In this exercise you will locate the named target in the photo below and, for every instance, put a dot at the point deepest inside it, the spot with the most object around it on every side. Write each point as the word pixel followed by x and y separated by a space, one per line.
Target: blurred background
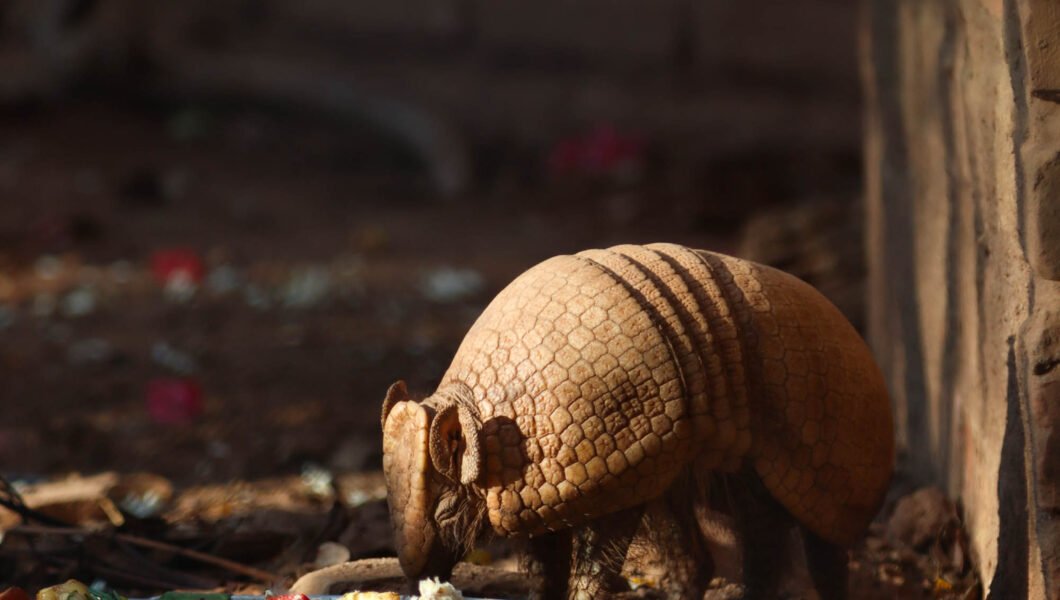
pixel 227 226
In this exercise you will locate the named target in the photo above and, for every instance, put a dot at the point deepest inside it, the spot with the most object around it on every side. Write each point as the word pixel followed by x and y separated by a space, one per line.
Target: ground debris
pixel 919 550
pixel 253 536
pixel 291 369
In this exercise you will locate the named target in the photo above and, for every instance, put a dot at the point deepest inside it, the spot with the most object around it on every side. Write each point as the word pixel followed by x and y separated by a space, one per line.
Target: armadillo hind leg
pixel 716 520
pixel 828 566
pixel 764 529
pixel 599 550
pixel 548 561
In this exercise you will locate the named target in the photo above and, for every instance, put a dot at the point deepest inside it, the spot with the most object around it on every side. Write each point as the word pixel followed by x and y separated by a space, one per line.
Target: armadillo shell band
pixel 598 377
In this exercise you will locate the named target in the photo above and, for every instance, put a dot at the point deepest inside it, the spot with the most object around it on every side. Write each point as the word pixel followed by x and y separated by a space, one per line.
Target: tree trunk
pixel 963 210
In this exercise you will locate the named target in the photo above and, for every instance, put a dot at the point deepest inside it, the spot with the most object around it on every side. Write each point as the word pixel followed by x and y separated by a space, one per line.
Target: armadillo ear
pixel 454 444
pixel 396 393
pixel 471 462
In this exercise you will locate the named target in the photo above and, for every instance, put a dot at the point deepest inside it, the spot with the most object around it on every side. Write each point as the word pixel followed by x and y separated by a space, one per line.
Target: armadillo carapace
pixel 591 381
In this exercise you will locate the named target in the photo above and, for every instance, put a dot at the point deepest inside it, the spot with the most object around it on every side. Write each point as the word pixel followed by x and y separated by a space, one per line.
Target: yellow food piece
pixel 370 596
pixel 71 590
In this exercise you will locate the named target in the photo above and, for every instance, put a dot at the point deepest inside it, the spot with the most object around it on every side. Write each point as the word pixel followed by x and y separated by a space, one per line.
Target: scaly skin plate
pixel 599 376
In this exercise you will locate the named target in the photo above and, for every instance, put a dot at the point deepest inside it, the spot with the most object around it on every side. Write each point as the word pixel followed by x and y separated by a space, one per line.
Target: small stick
pixel 11 500
pixel 228 565
pixel 145 565
pixel 358 571
pixel 224 563
pixel 130 577
pixel 466 577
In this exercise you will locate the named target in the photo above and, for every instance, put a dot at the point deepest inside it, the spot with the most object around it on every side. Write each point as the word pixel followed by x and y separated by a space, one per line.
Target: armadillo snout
pixel 438 563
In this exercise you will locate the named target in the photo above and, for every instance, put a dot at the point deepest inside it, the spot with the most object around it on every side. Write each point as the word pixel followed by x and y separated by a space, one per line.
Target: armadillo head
pixel 431 457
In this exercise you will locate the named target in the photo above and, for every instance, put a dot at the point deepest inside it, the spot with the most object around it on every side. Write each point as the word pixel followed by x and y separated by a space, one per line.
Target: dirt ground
pixel 331 270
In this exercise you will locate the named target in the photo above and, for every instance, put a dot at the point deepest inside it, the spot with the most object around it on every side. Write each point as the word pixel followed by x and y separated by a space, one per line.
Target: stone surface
pixel 962 243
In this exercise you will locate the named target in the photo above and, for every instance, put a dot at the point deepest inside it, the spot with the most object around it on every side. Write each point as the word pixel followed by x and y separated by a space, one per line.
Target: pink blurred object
pixel 177 263
pixel 174 401
pixel 602 151
pixel 288 597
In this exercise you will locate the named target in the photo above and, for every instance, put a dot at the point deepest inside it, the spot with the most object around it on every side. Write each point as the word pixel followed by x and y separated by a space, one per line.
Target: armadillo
pixel 594 382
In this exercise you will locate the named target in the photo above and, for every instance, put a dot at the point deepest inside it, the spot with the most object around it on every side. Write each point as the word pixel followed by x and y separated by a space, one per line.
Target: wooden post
pixel 963 216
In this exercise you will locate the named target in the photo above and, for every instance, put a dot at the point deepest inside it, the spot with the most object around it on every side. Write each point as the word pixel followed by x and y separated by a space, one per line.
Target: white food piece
pixel 432 589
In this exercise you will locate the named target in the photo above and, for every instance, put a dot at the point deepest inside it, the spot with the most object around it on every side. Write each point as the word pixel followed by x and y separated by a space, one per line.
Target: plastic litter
pixel 318 480
pixel 306 288
pixel 142 495
pixel 175 360
pixel 80 302
pixel 7 319
pixel 450 285
pixel 224 279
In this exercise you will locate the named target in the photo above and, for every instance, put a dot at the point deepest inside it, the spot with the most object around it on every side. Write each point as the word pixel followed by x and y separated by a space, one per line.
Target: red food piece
pixel 173 263
pixel 14 593
pixel 174 401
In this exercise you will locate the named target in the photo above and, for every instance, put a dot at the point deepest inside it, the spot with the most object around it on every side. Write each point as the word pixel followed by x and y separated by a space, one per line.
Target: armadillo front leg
pixel 548 563
pixel 672 525
pixel 599 549
pixel 688 565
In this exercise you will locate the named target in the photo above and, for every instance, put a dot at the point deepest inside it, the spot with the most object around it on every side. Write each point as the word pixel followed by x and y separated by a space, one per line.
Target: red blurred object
pixel 288 597
pixel 602 151
pixel 174 401
pixel 173 263
pixel 14 593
